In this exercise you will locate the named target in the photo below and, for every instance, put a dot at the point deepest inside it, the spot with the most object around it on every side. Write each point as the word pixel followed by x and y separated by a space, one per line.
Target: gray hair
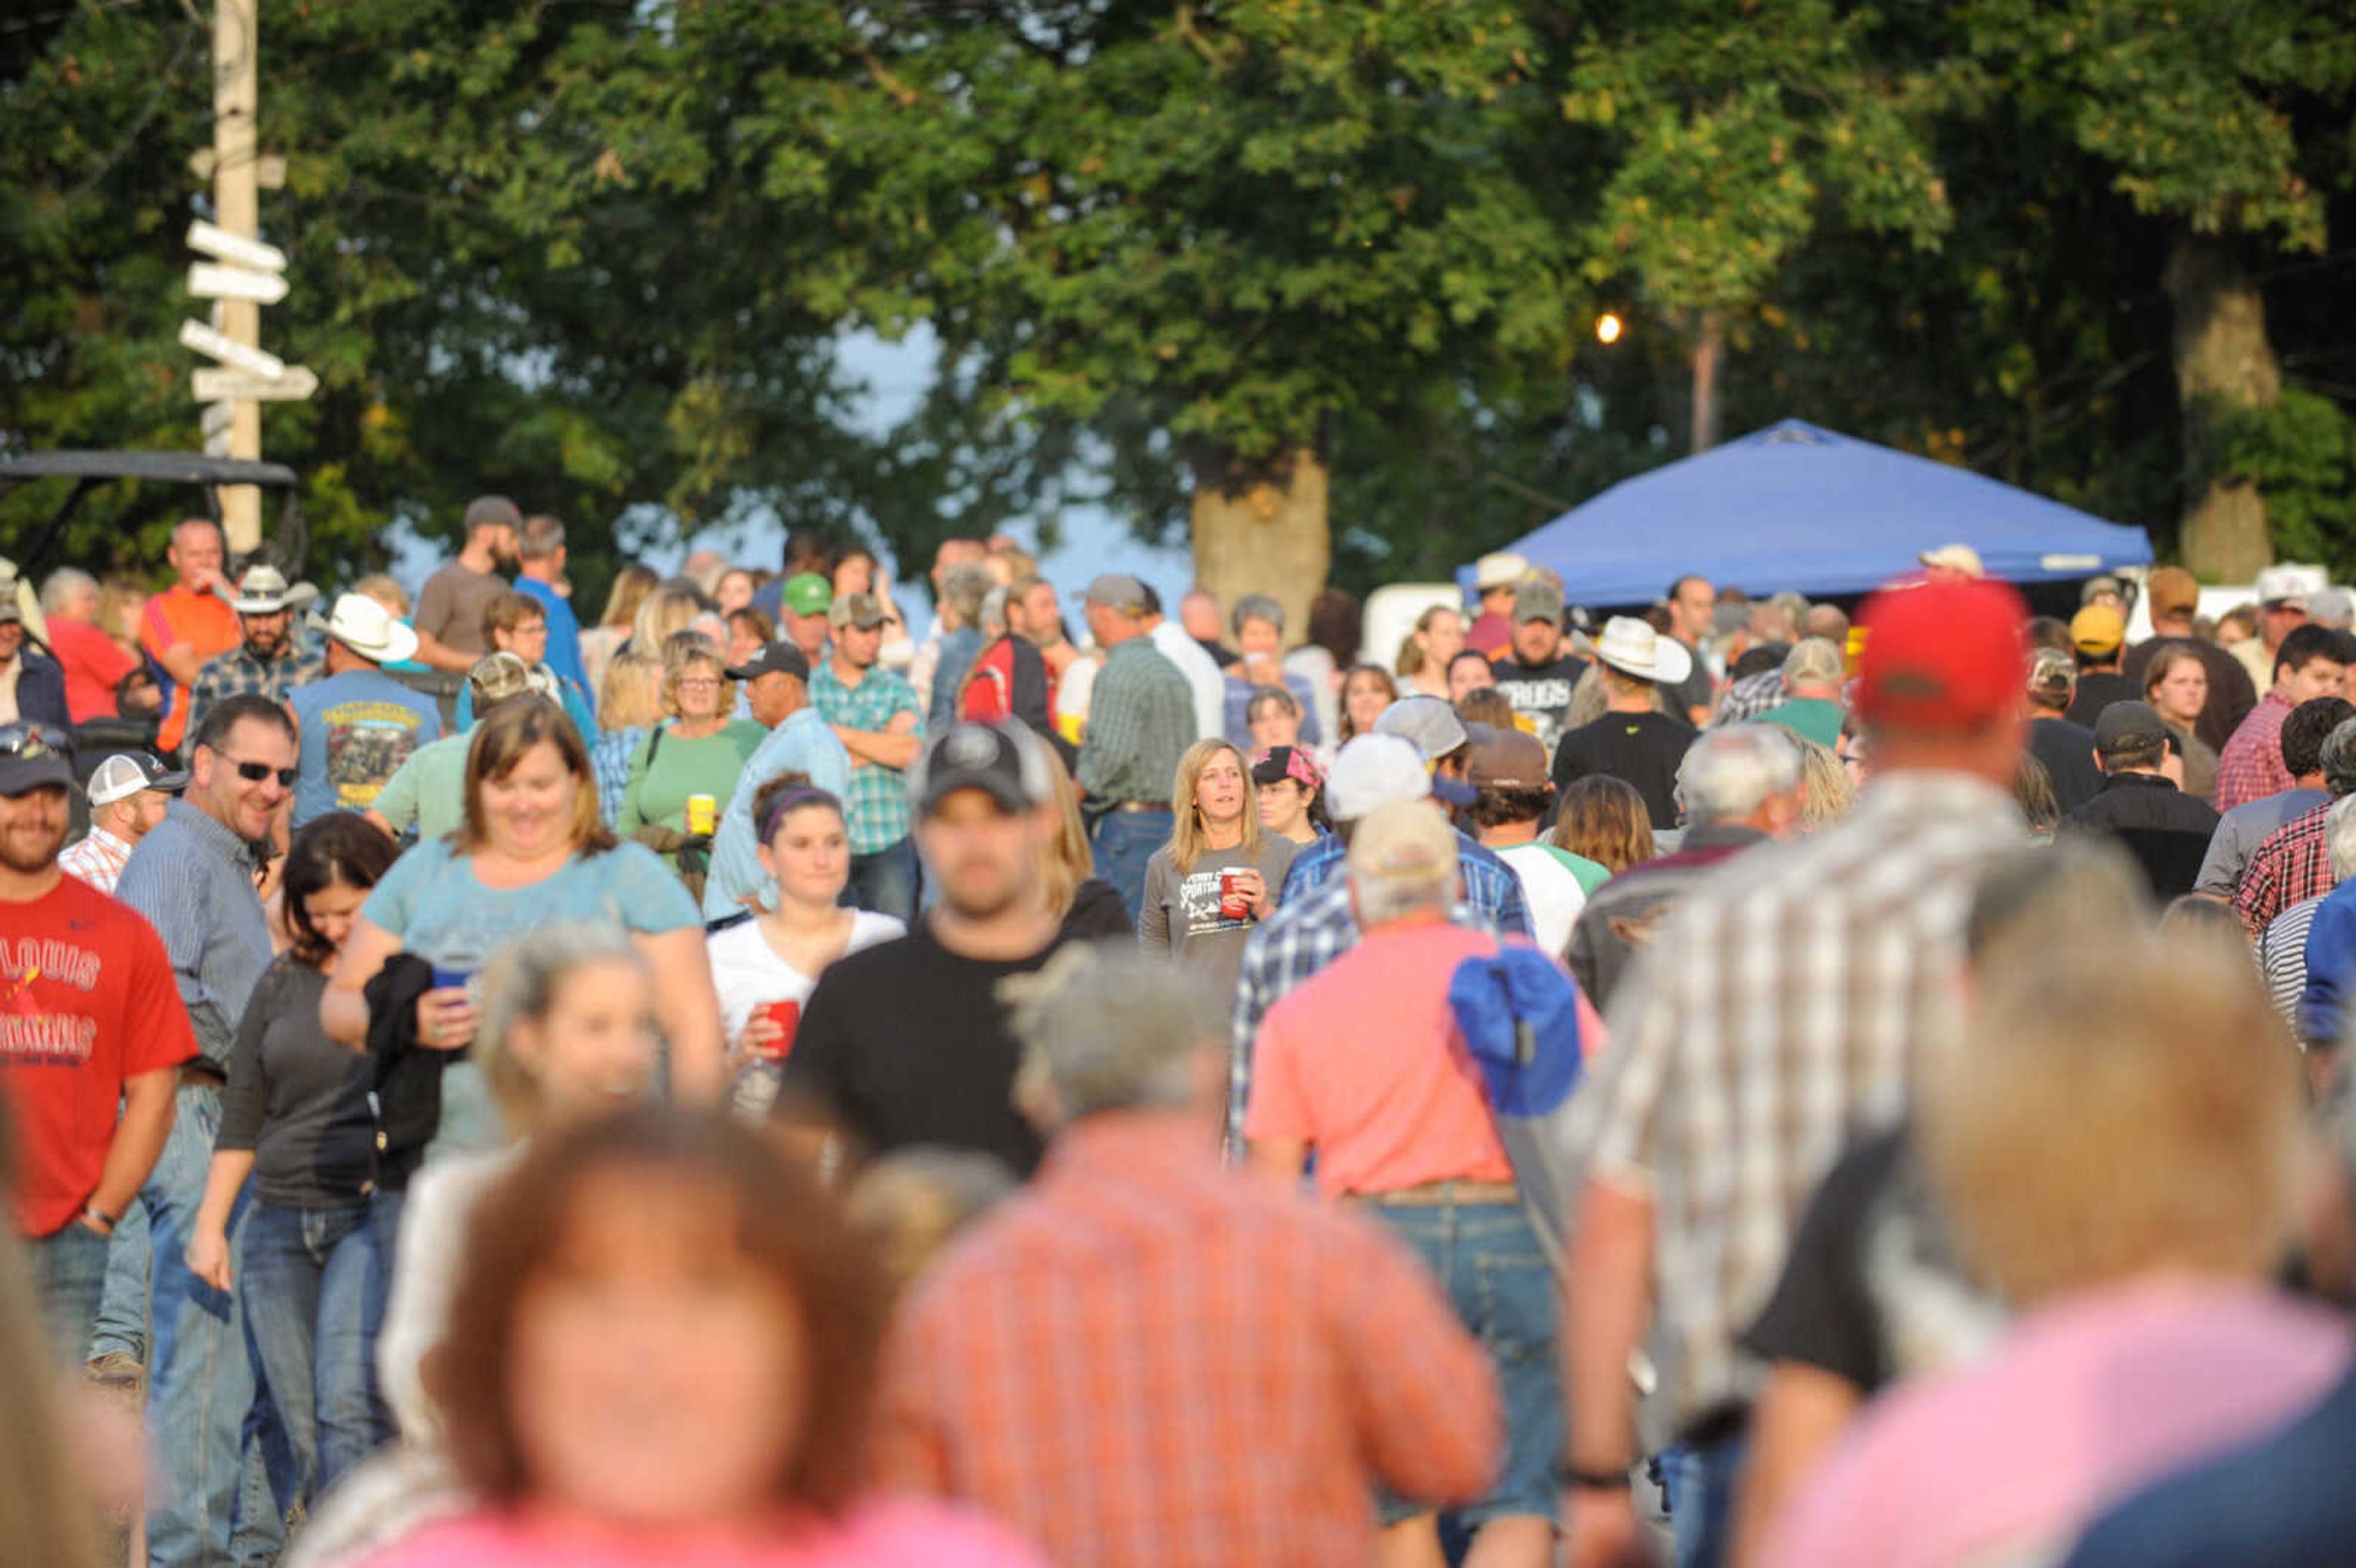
pixel 1255 607
pixel 520 983
pixel 2338 759
pixel 540 538
pixel 1728 773
pixel 963 588
pixel 1107 1029
pixel 2340 838
pixel 993 609
pixel 63 585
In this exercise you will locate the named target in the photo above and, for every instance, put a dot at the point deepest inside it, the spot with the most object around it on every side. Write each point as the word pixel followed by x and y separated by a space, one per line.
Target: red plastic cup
pixel 787 1017
pixel 1232 905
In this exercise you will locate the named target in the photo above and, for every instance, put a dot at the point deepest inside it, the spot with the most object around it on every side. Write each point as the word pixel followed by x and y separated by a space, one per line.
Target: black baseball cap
pixel 2128 726
pixel 777 657
pixel 33 756
pixel 1005 762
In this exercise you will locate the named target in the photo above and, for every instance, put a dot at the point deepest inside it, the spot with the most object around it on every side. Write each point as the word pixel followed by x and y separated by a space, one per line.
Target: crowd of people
pixel 1744 1082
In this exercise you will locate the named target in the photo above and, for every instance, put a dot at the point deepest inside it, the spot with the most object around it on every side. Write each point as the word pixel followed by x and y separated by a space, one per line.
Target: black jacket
pixel 2164 829
pixel 408 1077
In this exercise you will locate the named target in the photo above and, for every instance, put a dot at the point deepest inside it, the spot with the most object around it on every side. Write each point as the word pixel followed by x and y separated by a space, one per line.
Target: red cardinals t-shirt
pixel 87 1000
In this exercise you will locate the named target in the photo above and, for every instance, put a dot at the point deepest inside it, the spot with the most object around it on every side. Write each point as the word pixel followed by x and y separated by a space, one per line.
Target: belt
pixel 201 1072
pixel 1437 1194
pixel 1142 806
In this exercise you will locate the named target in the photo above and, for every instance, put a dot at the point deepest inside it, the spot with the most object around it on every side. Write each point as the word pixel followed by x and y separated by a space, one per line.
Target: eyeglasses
pixel 254 773
pixel 698 683
pixel 26 739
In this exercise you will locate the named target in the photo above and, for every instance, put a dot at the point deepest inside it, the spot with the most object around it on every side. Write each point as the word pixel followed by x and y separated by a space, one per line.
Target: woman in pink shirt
pixel 2117 1143
pixel 662 1351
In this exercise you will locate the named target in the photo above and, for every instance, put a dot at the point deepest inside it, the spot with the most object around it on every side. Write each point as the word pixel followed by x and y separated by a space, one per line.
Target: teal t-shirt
pixel 1811 717
pixel 431 900
pixel 1590 874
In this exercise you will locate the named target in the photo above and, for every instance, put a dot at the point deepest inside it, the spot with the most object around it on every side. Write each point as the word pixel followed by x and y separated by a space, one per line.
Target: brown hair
pixel 501 737
pixel 1069 860
pixel 1607 821
pixel 786 1226
pixel 1342 693
pixel 753 618
pixel 682 654
pixel 1487 706
pixel 340 846
pixel 506 612
pixel 2165 657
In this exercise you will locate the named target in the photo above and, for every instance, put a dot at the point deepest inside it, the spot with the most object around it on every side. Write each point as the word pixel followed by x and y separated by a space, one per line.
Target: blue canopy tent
pixel 1798 508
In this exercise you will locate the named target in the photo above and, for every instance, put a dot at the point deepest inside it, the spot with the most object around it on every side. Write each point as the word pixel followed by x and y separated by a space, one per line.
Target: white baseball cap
pixel 126 774
pixel 1371 771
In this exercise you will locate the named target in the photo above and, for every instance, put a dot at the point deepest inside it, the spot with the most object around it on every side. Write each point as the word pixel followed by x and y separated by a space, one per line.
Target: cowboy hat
pixel 368 628
pixel 1633 647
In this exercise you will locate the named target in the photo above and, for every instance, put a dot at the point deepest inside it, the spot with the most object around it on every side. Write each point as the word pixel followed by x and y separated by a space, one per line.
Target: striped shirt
pixel 192 879
pixel 1778 1013
pixel 2281 957
pixel 97 860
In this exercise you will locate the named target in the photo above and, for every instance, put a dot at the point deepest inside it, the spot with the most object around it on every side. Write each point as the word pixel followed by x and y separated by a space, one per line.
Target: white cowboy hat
pixel 368 628
pixel 1503 569
pixel 1633 647
pixel 264 591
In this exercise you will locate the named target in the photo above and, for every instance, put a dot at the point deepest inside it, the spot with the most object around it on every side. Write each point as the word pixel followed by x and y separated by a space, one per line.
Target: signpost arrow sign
pixel 297 384
pixel 235 249
pixel 196 334
pixel 207 280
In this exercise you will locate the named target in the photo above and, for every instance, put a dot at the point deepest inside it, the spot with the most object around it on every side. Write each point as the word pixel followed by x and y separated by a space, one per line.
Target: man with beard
pixel 88 1019
pixel 194 878
pixel 907 1043
pixel 267 661
pixel 1533 672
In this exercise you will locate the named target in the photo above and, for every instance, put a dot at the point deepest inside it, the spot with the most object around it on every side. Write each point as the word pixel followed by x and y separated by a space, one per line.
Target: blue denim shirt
pixel 192 879
pixel 803 743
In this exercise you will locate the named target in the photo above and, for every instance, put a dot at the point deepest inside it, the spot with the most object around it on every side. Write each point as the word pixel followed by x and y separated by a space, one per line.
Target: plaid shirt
pixel 2250 767
pixel 238 674
pixel 1778 1013
pixel 1140 721
pixel 1146 1361
pixel 1749 698
pixel 878 804
pixel 97 860
pixel 2293 865
pixel 1490 885
pixel 1306 933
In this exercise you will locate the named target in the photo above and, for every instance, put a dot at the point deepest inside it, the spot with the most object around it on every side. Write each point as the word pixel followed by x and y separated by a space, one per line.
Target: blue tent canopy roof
pixel 1793 506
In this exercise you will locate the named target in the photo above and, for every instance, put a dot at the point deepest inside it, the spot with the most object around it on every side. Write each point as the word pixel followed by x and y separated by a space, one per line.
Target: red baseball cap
pixel 1942 656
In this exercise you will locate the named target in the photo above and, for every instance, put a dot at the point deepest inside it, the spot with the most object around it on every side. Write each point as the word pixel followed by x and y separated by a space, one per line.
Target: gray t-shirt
pixel 450 606
pixel 1181 914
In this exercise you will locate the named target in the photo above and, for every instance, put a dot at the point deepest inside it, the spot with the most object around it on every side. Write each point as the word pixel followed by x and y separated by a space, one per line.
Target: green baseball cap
pixel 807 593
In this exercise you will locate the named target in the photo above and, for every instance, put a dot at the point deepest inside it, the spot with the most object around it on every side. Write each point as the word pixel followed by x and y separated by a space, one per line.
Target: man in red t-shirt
pixel 89 1020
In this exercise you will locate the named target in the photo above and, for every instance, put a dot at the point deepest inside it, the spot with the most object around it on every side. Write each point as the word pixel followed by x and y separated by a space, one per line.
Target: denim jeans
pixel 123 1311
pixel 1125 841
pixel 885 881
pixel 1488 1261
pixel 313 1286
pixel 209 1497
pixel 1701 1487
pixel 69 1278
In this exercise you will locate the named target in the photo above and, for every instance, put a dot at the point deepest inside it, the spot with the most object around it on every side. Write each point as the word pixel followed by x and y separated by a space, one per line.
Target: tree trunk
pixel 1263 530
pixel 1709 340
pixel 2223 361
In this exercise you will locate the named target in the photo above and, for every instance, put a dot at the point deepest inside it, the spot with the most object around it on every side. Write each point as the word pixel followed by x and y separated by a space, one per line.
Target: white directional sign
pixel 295 385
pixel 196 334
pixel 207 280
pixel 235 249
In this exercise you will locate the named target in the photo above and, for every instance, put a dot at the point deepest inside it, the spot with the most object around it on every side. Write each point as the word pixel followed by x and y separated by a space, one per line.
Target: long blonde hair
pixel 1188 842
pixel 631 696
pixel 1069 860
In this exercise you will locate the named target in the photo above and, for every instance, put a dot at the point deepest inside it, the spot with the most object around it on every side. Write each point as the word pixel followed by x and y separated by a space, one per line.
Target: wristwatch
pixel 105 1221
pixel 1597 1480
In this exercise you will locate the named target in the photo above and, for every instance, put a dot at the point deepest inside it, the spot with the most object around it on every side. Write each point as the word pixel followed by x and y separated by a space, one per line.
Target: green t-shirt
pixel 657 791
pixel 1811 717
pixel 429 789
pixel 1592 874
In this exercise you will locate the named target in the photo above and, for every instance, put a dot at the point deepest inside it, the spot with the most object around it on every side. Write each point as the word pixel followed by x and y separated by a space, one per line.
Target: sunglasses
pixel 254 773
pixel 26 739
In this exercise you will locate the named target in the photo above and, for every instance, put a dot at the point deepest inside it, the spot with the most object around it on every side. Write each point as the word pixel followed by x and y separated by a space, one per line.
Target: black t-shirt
pixel 2097 690
pixel 1540 693
pixel 1645 749
pixel 2066 751
pixel 1097 914
pixel 908 1044
pixel 1872 1291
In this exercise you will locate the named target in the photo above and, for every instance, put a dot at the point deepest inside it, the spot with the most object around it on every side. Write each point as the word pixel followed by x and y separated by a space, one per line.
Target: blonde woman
pixel 629 705
pixel 1217 876
pixel 603 641
pixel 1089 907
pixel 701 750
pixel 669 608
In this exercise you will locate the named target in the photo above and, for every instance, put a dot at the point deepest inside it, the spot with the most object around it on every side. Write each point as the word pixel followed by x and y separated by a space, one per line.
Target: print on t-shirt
pixel 29 1034
pixel 1198 902
pixel 367 742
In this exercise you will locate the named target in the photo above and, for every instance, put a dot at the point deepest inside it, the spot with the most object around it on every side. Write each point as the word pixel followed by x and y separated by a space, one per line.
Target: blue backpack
pixel 1518 1013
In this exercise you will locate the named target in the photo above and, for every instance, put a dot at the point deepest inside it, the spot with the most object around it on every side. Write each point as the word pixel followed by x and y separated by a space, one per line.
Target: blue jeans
pixel 123 1311
pixel 1701 1487
pixel 1125 841
pixel 69 1278
pixel 313 1285
pixel 209 1501
pixel 1489 1263
pixel 885 881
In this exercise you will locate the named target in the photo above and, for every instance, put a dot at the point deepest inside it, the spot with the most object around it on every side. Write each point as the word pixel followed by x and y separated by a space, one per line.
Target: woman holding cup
pixel 685 769
pixel 1219 874
pixel 764 968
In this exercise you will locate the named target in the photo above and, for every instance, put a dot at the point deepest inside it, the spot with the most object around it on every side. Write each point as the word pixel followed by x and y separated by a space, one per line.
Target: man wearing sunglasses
pixel 88 1019
pixel 193 877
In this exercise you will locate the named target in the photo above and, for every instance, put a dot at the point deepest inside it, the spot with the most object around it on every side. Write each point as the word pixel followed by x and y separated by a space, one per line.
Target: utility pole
pixel 236 208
